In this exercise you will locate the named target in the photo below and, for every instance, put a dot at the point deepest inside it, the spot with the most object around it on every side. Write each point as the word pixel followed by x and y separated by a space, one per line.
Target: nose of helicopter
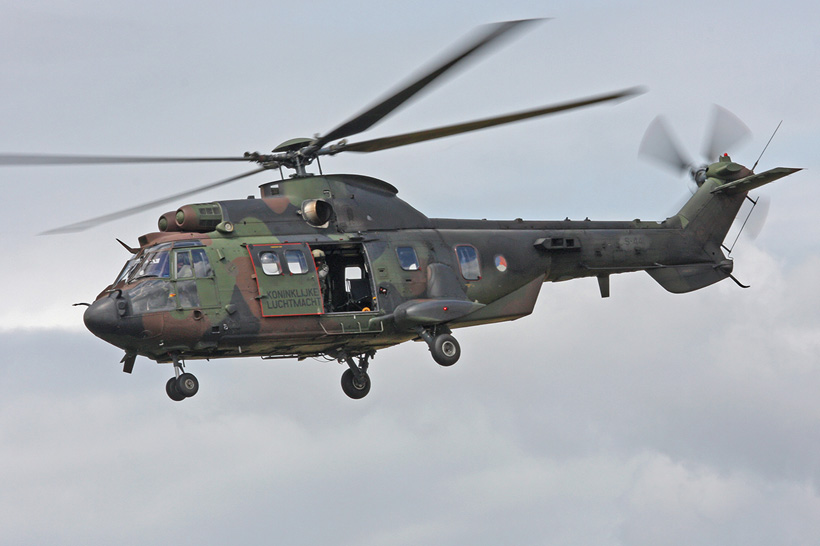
pixel 101 317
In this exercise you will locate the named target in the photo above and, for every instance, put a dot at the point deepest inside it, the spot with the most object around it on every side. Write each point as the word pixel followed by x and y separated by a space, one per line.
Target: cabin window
pixel 270 263
pixel 407 258
pixel 468 262
pixel 297 264
pixel 353 272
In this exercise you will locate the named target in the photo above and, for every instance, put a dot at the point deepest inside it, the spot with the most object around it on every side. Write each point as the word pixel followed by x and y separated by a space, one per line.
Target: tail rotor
pixel 725 131
pixel 659 145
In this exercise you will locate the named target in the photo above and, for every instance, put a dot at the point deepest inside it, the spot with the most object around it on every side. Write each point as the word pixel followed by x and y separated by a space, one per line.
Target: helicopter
pixel 337 266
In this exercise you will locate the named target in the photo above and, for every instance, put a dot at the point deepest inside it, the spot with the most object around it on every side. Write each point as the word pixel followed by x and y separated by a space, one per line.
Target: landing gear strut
pixel 443 346
pixel 183 385
pixel 355 381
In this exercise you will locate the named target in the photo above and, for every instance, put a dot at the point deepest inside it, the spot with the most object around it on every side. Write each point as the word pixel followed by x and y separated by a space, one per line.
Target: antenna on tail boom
pixel 767 144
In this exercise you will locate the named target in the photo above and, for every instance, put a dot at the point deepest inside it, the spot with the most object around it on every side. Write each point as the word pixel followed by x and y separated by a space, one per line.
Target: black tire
pixel 172 391
pixel 353 388
pixel 187 385
pixel 446 350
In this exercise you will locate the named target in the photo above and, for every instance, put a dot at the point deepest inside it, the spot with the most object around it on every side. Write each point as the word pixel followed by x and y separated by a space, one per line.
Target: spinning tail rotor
pixel 725 132
pixel 660 145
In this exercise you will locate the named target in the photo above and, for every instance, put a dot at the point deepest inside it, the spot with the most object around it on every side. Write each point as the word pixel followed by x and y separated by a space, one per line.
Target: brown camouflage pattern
pixel 232 308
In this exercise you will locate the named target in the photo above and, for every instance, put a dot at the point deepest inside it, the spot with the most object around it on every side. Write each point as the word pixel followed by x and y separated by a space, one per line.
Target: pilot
pixel 322 271
pixel 184 269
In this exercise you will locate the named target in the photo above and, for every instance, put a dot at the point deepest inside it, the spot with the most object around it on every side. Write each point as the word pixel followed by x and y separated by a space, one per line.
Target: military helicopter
pixel 337 266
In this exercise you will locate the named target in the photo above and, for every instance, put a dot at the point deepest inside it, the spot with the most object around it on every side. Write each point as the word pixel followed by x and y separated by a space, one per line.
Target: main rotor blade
pixel 85 224
pixel 449 130
pixel 50 159
pixel 726 132
pixel 376 113
pixel 659 145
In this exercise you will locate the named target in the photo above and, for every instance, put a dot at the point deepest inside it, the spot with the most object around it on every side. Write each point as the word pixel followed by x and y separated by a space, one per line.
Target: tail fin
pixel 706 219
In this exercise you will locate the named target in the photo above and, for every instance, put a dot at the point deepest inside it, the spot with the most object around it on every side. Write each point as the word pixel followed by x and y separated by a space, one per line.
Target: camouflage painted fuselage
pixel 238 278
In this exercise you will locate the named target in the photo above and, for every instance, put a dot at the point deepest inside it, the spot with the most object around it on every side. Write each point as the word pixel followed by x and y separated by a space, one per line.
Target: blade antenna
pixel 767 145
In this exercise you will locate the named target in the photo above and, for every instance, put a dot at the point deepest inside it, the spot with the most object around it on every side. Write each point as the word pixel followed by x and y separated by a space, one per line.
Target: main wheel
pixel 446 350
pixel 187 385
pixel 353 388
pixel 172 390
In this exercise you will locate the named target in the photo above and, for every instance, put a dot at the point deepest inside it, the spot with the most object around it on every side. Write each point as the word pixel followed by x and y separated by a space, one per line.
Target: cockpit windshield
pixel 127 269
pixel 154 263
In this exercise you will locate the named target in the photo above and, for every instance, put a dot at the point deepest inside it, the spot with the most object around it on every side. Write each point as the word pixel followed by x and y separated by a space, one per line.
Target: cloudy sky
pixel 647 418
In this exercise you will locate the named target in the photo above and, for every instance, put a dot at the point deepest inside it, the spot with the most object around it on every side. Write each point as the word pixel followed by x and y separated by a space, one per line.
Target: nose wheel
pixel 183 385
pixel 355 387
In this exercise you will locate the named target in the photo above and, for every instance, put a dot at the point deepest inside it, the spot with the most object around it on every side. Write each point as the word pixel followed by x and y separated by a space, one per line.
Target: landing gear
pixel 172 390
pixel 182 385
pixel 443 346
pixel 355 381
pixel 187 384
pixel 446 350
pixel 355 388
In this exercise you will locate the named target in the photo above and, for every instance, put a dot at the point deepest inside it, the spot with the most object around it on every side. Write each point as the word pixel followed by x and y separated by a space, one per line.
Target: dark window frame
pixel 466 263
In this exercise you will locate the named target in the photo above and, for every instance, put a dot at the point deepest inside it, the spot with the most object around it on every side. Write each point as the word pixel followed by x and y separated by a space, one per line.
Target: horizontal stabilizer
pixel 755 181
pixel 680 279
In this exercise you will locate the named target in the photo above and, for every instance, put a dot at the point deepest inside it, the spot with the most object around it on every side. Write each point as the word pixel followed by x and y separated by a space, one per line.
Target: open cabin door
pixel 348 288
pixel 287 280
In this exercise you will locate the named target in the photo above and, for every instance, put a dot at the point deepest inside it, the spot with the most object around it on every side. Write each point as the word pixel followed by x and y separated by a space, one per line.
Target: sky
pixel 645 418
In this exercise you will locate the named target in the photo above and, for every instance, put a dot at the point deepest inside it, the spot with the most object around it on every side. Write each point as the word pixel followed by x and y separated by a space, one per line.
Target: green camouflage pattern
pixel 238 278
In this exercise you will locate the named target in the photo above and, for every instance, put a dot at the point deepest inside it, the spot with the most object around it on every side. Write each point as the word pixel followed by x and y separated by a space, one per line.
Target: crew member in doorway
pixel 322 272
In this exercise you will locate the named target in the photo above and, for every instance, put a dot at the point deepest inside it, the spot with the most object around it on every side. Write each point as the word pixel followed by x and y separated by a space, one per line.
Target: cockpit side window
pixel 193 263
pixel 183 265
pixel 202 267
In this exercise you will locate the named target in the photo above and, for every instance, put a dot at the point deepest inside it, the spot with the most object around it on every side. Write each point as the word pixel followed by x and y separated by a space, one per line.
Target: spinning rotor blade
pixel 81 226
pixel 47 159
pixel 441 132
pixel 376 113
pixel 755 223
pixel 727 131
pixel 659 145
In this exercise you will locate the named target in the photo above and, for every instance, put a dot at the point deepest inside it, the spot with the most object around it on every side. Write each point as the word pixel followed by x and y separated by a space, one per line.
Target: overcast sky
pixel 646 418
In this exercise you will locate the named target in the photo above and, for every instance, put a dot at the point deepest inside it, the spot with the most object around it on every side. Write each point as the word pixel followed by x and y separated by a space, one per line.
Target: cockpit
pixel 168 276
